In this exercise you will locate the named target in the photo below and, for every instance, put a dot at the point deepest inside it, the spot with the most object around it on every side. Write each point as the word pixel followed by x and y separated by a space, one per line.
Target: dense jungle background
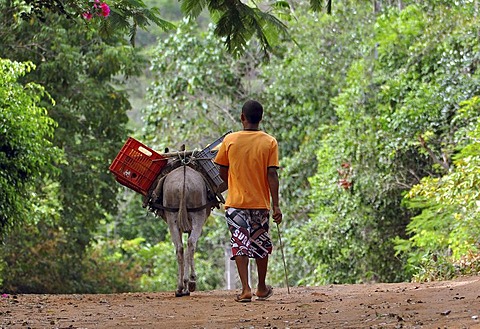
pixel 375 105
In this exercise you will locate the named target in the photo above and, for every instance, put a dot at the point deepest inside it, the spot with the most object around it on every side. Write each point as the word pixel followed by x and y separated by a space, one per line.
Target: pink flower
pixel 105 9
pixel 88 15
pixel 98 8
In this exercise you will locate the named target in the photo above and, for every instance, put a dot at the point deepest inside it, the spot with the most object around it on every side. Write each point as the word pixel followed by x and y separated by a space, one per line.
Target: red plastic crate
pixel 137 166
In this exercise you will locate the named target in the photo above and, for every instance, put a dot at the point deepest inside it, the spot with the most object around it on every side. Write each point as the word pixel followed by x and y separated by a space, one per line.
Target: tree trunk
pixel 376 6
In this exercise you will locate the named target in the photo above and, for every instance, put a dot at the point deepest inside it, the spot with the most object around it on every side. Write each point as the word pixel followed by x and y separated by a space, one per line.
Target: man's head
pixel 252 111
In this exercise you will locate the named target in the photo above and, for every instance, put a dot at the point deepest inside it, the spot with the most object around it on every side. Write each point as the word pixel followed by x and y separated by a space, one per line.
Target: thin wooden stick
pixel 283 257
pixel 176 154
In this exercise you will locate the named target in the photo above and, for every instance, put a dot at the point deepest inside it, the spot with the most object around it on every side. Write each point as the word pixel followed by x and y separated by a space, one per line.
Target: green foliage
pixel 159 261
pixel 132 221
pixel 160 266
pixel 236 21
pixel 197 87
pixel 125 16
pixel 446 229
pixel 91 112
pixel 26 149
pixel 83 73
pixel 210 255
pixel 367 109
pixel 34 255
pixel 434 77
pixel 468 264
pixel 438 73
pixel 239 22
pixel 301 85
pixel 395 126
pixel 28 253
pixel 170 11
pixel 153 266
pixel 105 275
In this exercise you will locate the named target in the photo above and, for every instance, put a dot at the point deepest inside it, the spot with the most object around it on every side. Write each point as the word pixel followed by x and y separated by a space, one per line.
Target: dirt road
pixel 448 304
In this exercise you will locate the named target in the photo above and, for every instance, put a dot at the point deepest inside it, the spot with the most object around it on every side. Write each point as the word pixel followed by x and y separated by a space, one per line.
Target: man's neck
pixel 251 127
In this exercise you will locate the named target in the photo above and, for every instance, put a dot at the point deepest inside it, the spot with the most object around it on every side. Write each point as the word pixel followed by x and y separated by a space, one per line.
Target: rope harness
pixel 184 160
pixel 205 206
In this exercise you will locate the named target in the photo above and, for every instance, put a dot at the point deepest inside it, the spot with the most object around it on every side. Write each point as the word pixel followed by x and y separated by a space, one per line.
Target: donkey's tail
pixel 184 223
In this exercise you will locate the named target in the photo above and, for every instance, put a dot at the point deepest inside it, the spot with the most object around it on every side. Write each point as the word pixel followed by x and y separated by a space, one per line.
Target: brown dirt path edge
pixel 441 304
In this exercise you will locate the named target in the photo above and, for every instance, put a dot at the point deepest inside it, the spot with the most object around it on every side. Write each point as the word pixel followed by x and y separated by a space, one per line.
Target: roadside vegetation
pixel 376 110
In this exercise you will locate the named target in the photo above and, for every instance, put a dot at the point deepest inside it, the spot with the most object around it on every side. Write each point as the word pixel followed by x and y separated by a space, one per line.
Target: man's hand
pixel 277 214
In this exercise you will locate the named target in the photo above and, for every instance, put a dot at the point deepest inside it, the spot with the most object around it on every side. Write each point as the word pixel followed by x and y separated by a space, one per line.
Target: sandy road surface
pixel 447 304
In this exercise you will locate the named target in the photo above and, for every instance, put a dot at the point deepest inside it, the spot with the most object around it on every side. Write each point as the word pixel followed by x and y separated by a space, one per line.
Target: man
pixel 248 161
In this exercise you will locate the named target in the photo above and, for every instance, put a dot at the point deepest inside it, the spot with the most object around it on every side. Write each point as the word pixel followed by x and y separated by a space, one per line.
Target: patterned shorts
pixel 249 229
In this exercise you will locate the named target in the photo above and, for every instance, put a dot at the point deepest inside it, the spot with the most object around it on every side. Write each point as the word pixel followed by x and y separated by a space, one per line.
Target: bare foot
pixel 264 295
pixel 244 297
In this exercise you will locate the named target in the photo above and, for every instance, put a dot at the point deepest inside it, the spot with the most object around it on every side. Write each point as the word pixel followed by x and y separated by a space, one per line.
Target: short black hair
pixel 253 111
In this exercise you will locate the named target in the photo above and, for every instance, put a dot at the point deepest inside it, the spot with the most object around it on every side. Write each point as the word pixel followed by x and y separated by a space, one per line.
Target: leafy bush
pixel 26 150
pixel 447 226
pixel 35 259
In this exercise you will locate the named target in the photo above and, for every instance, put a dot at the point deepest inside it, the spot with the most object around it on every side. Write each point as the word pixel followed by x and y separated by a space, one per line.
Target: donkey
pixel 185 208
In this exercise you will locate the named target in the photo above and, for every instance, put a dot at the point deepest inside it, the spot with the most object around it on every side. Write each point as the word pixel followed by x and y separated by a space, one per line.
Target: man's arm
pixel 273 185
pixel 224 174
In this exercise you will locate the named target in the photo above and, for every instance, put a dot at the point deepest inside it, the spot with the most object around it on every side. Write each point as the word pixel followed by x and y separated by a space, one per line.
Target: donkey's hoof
pixel 192 285
pixel 182 293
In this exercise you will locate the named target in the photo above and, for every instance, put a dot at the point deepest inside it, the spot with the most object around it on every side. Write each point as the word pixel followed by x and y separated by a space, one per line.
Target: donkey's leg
pixel 177 241
pixel 186 271
pixel 198 219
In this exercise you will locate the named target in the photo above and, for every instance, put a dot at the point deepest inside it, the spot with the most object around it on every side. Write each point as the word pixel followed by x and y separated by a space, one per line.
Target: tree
pixel 196 89
pixel 236 22
pixel 27 154
pixel 125 16
pixel 394 128
pixel 83 73
pixel 300 84
pixel 445 232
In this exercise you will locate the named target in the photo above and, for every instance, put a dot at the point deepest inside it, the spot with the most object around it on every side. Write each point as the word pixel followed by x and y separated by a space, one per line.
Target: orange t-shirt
pixel 248 154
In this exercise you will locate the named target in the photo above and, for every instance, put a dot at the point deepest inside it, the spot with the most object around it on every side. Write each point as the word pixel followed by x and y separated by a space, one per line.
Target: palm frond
pixel 133 33
pixel 271 22
pixel 117 20
pixel 316 5
pixel 135 9
pixel 238 23
pixel 281 4
pixel 272 28
pixel 153 15
pixel 193 8
pixel 230 25
pixel 221 5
